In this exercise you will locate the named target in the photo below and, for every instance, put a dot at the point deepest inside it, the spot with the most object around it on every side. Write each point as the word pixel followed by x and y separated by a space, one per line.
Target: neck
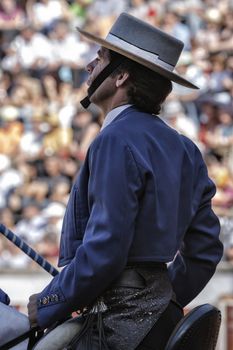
pixel 113 103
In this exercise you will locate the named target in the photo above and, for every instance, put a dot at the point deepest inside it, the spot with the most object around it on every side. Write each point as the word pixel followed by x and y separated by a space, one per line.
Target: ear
pixel 122 78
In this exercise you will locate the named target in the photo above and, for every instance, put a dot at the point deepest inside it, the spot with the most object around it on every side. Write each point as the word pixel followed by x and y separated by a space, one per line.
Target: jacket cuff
pixel 4 298
pixel 48 308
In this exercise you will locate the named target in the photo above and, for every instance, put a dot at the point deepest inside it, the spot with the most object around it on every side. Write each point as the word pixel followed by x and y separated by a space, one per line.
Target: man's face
pixel 107 88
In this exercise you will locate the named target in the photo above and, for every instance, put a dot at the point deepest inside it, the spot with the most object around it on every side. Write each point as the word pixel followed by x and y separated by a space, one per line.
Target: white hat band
pixel 137 51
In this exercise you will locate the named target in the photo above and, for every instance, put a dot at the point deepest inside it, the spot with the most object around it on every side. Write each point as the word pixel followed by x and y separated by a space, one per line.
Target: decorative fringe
pixel 93 322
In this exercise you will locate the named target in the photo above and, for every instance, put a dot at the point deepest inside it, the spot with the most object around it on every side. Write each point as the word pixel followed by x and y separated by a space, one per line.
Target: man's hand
pixel 32 310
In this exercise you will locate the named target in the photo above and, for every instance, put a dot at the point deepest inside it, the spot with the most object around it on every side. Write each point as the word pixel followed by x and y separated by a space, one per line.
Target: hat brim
pixel 133 56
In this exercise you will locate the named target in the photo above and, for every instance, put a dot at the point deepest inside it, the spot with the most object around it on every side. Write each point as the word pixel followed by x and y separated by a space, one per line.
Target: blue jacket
pixel 143 194
pixel 4 297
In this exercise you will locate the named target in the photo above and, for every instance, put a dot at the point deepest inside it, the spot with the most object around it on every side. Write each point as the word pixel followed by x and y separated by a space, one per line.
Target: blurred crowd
pixel 45 133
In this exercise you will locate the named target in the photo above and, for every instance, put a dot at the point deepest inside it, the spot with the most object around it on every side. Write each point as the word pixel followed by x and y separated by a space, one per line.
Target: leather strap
pixel 29 334
pixel 131 277
pixel 115 62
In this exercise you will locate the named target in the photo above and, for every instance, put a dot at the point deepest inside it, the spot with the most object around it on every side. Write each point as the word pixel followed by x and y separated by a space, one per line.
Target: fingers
pixel 32 310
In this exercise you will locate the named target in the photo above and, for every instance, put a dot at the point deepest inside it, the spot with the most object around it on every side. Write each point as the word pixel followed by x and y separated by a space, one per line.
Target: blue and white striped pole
pixel 28 250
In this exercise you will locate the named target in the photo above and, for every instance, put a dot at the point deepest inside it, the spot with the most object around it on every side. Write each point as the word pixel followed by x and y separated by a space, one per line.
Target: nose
pixel 90 67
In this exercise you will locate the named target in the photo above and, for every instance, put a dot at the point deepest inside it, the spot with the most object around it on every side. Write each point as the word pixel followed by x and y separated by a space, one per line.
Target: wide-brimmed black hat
pixel 145 44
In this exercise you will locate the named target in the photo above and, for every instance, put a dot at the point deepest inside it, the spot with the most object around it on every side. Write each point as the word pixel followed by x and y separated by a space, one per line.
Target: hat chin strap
pixel 115 62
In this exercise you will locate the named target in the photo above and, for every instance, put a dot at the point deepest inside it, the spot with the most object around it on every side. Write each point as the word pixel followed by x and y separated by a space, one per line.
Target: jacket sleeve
pixel 4 297
pixel 113 204
pixel 201 249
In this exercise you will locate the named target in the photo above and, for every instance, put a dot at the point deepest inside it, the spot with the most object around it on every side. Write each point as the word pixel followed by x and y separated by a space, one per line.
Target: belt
pixel 131 277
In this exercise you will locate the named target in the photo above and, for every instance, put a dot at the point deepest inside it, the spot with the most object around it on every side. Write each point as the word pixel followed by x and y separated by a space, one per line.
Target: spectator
pixel 31 226
pixel 172 24
pixel 79 9
pixel 85 130
pixel 10 178
pixel 61 188
pixel 48 247
pixel 104 8
pixel 220 75
pixel 12 18
pixel 54 214
pixel 63 41
pixel 43 13
pixel 173 112
pixel 30 51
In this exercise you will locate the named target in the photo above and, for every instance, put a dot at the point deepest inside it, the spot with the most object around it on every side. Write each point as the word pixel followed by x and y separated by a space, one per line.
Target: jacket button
pixel 45 300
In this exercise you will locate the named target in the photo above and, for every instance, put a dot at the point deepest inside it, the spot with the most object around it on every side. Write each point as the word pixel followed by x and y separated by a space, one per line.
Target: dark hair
pixel 147 89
